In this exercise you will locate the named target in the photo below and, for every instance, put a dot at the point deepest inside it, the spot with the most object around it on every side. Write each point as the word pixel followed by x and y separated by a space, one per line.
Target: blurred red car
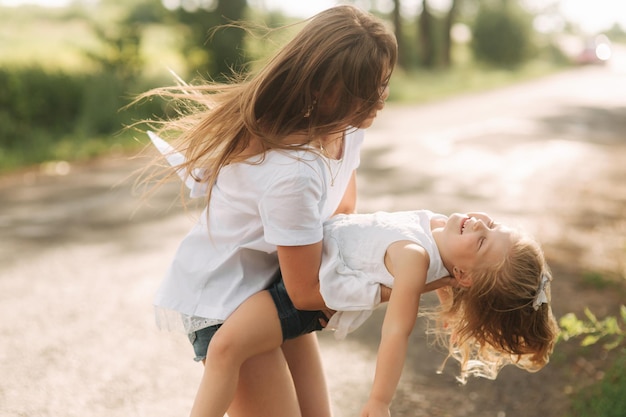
pixel 597 51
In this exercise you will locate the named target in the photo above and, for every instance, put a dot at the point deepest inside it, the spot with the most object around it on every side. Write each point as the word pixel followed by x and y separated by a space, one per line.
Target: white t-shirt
pixel 282 199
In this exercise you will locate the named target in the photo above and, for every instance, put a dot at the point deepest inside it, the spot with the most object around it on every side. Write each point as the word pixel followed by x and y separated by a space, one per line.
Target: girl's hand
pixel 375 408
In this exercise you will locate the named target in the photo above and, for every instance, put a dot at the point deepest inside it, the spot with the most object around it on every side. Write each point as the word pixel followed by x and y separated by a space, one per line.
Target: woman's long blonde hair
pixel 329 76
pixel 496 321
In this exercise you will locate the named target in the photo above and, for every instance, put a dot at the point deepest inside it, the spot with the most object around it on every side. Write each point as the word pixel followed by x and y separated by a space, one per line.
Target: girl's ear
pixel 462 277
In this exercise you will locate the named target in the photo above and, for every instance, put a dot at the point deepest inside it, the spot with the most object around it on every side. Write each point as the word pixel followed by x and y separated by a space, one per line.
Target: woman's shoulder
pixel 278 160
pixel 301 162
pixel 277 172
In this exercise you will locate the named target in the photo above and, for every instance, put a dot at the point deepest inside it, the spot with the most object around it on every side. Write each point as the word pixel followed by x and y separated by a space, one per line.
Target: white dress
pixel 353 261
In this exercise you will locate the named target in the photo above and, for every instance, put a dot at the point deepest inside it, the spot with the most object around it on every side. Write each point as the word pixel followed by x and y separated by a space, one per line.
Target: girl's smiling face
pixel 472 240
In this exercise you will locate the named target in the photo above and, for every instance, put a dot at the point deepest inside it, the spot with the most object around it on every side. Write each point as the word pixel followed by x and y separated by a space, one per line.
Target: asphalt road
pixel 81 255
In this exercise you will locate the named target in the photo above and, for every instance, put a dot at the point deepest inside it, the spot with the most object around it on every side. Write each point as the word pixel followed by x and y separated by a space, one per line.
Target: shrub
pixel 43 112
pixel 33 102
pixel 502 35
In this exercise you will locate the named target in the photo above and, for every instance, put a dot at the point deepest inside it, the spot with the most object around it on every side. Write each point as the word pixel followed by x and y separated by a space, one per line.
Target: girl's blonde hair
pixel 496 321
pixel 330 75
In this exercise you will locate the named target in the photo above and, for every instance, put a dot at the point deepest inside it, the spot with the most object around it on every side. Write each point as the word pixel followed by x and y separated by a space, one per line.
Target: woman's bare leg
pixel 265 388
pixel 252 329
pixel 305 362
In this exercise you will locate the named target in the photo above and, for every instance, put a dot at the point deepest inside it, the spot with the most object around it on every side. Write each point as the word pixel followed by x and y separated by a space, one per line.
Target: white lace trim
pixel 171 320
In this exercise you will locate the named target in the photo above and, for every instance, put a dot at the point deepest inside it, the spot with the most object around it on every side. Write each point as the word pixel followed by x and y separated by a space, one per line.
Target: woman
pixel 276 154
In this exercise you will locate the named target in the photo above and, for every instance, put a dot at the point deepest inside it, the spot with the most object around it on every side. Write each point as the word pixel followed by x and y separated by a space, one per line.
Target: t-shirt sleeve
pixel 290 209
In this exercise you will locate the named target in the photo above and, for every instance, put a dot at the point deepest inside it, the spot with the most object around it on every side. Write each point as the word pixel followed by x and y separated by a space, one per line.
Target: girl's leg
pixel 305 363
pixel 252 329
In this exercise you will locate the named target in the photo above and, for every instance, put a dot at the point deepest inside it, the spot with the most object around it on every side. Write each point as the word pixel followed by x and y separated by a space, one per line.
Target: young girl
pixel 496 313
pixel 275 155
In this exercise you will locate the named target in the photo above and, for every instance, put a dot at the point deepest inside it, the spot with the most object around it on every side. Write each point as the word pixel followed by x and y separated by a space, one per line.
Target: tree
pixel 403 60
pixel 214 47
pixel 120 54
pixel 425 36
pixel 502 35
pixel 446 48
pixel 228 51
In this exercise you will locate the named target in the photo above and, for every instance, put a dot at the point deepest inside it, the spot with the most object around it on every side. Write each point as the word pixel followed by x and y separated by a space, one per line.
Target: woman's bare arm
pixel 440 284
pixel 348 202
pixel 300 266
pixel 348 206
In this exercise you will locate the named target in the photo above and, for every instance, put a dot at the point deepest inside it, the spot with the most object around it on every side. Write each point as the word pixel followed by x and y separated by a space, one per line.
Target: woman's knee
pixel 224 348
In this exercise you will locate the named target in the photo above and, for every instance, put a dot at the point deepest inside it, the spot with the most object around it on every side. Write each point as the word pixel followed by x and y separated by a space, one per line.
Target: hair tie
pixel 541 297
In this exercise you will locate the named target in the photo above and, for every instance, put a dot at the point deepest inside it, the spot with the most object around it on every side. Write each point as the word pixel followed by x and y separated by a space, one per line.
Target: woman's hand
pixel 328 313
pixel 440 283
pixel 385 293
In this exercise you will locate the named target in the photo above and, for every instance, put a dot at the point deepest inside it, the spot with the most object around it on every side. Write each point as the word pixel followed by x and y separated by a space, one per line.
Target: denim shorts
pixel 293 322
pixel 200 340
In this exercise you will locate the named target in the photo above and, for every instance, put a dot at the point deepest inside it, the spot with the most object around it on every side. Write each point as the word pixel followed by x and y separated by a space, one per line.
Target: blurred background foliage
pixel 67 73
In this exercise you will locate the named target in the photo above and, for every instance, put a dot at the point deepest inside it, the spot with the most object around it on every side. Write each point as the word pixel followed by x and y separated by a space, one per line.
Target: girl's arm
pixel 409 263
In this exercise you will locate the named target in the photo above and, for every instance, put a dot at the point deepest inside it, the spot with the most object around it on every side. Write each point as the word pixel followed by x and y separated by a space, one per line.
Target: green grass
pixel 45 40
pixel 606 398
pixel 422 86
pixel 596 280
pixel 71 148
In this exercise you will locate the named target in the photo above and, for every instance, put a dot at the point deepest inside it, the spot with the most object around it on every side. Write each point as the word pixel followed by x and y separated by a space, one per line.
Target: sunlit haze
pixel 591 16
